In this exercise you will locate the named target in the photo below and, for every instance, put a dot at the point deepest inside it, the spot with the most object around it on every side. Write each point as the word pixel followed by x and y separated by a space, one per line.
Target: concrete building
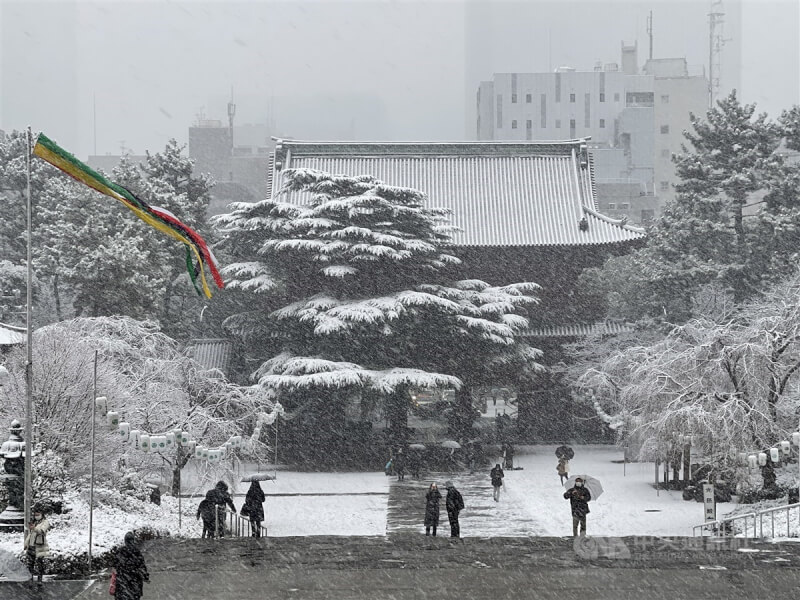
pixel 240 169
pixel 634 117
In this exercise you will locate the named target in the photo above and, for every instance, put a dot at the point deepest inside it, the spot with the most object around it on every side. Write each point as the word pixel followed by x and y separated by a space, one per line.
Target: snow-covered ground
pixel 357 504
pixel 629 504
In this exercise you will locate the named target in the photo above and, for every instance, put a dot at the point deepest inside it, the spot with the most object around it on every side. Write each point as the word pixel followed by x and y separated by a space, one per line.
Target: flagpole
pixel 29 358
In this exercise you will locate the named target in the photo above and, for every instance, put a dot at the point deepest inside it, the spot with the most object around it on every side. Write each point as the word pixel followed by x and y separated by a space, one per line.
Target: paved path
pixel 482 517
pixel 415 567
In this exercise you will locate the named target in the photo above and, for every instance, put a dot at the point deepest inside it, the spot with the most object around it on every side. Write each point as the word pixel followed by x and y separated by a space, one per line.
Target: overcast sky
pixel 375 69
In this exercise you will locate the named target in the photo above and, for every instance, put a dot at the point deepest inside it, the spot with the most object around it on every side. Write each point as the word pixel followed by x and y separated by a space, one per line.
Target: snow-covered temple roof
pixel 501 193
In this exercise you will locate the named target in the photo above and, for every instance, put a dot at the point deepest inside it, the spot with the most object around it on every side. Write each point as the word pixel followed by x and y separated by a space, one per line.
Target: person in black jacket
pixel 254 507
pixel 221 498
pixel 400 465
pixel 454 504
pixel 578 497
pixel 497 480
pixel 130 569
pixel 206 511
pixel 432 498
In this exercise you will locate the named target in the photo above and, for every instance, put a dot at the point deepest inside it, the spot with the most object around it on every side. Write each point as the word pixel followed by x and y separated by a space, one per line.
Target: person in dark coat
pixel 206 511
pixel 400 465
pixel 414 464
pixel 578 497
pixel 497 480
pixel 254 507
pixel 221 498
pixel 130 569
pixel 432 498
pixel 454 505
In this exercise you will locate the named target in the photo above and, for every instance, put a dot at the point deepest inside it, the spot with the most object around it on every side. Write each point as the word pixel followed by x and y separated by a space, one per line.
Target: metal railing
pixel 770 512
pixel 726 526
pixel 235 525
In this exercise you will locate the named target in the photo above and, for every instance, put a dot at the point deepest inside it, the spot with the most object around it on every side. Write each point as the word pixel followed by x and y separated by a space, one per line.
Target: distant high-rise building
pixel 635 119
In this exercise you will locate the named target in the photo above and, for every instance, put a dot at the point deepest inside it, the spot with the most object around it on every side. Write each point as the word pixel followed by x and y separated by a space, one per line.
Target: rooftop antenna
pixel 231 113
pixel 650 32
pixel 715 42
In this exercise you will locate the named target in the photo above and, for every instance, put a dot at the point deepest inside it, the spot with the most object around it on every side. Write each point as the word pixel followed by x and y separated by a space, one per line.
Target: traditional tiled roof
pixel 501 193
pixel 212 353
pixel 580 329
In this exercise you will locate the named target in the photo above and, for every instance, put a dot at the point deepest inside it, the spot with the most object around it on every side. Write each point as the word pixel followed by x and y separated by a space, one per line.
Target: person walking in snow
pixel 400 465
pixel 254 507
pixel 35 544
pixel 414 464
pixel 563 469
pixel 221 498
pixel 130 569
pixel 206 511
pixel 497 480
pixel 578 497
pixel 432 498
pixel 454 503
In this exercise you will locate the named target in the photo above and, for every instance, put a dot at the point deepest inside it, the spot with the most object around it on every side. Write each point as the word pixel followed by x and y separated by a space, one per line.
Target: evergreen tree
pixel 349 293
pixel 730 155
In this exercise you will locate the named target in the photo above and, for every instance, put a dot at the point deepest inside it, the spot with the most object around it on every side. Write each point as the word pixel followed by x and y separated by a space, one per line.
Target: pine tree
pixel 728 161
pixel 349 294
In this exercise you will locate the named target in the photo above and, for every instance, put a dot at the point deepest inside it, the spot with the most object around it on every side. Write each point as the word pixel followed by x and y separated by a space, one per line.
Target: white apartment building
pixel 635 118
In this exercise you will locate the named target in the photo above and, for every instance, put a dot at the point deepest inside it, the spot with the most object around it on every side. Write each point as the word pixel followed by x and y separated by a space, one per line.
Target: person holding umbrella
pixel 579 498
pixel 253 507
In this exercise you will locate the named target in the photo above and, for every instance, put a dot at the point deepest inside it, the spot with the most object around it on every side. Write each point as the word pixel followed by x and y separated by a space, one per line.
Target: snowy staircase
pixel 482 517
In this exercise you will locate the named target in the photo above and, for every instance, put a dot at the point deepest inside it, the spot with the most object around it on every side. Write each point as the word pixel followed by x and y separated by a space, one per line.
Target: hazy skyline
pixel 383 70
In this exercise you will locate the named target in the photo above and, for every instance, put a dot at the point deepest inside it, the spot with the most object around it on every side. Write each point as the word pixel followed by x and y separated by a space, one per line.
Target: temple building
pixel 527 212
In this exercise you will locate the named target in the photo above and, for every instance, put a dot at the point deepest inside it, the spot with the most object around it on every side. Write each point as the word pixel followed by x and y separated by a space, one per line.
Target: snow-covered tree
pixel 349 292
pixel 146 379
pixel 733 383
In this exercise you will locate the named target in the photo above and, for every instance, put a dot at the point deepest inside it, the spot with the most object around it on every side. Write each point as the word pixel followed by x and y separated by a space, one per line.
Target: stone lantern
pixel 12 451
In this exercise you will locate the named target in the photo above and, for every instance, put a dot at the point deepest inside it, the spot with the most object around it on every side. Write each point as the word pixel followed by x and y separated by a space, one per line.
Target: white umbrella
pixel 590 483
pixel 258 477
pixel 417 447
pixel 450 444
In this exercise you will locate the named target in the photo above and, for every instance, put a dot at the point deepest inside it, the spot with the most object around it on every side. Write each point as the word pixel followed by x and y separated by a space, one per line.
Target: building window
pixel 528 98
pixel 514 124
pixel 543 115
pixel 664 185
pixel 602 97
pixel 602 123
pixel 558 123
pixel 639 99
pixel 616 96
pixel 665 129
pixel 558 87
pixel 664 98
pixel 513 98
pixel 529 130
pixel 665 153
pixel 528 124
pixel 572 128
pixel 572 98
pixel 612 206
pixel 624 205
pixel 499 111
pixel 648 215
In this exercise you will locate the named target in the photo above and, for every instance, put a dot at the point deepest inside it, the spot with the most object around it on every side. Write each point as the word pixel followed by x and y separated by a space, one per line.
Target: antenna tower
pixel 716 41
pixel 650 32
pixel 231 113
